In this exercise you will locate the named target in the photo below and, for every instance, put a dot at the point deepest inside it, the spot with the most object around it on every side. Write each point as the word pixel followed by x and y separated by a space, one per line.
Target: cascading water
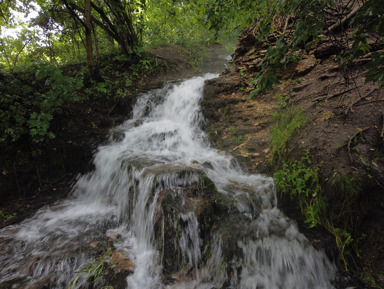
pixel 184 215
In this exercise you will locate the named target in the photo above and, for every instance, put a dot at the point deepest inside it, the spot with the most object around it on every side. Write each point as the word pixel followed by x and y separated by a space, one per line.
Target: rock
pixel 326 49
pixel 121 263
pixel 113 236
pixel 185 215
pixel 305 65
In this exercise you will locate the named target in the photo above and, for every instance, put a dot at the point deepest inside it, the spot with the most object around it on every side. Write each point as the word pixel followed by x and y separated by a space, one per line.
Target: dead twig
pixel 38 177
pixel 368 102
pixel 351 138
pixel 361 98
pixel 335 94
pixel 114 106
pixel 344 20
pixel 17 179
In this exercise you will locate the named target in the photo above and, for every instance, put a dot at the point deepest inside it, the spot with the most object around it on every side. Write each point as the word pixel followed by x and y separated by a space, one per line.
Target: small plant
pixel 238 139
pixel 298 81
pixel 301 182
pixel 263 81
pixel 225 113
pixel 146 64
pixel 243 73
pixel 7 217
pixel 283 100
pixel 93 271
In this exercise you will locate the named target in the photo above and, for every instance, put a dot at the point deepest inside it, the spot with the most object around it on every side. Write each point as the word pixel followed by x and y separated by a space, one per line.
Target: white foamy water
pixel 121 197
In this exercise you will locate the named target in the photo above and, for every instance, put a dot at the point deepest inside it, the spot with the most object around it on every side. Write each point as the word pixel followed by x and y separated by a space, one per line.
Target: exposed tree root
pixel 350 140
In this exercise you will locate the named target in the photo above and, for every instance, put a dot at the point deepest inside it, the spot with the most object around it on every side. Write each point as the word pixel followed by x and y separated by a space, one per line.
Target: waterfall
pixel 178 214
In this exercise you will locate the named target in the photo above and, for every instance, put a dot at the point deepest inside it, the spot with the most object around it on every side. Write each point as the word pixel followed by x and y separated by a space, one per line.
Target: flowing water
pixel 147 200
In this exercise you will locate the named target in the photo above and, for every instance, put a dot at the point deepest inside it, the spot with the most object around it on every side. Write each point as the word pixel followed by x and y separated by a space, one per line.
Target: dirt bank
pixel 343 133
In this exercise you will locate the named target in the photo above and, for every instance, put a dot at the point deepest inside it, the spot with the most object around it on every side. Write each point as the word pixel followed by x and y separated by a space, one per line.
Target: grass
pixel 287 122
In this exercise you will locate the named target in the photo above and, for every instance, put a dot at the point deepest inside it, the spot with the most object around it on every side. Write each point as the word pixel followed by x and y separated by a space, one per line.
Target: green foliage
pixel 347 246
pixel 341 217
pixel 232 14
pixel 7 217
pixel 287 122
pixel 93 271
pixel 306 26
pixel 368 25
pixel 176 22
pixel 28 104
pixel 301 182
pixel 59 89
pixel 263 81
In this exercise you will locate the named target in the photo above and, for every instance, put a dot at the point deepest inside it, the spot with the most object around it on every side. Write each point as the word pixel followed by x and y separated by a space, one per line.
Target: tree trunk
pixel 88 36
pixel 97 67
pixel 6 54
pixel 113 19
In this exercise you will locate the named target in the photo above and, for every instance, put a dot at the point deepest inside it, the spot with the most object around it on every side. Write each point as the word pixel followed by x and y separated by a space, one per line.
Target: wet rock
pixel 184 211
pixel 94 244
pixel 121 263
pixel 305 65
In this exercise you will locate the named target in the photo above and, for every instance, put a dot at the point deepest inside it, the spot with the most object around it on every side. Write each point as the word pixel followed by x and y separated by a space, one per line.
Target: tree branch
pixel 344 20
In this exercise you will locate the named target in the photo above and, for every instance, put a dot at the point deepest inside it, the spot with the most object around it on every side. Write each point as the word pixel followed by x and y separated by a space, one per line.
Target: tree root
pixel 361 98
pixel 344 20
pixel 335 94
pixel 350 140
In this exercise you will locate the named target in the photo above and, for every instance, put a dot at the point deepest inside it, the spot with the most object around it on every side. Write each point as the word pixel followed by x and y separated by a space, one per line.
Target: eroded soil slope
pixel 344 132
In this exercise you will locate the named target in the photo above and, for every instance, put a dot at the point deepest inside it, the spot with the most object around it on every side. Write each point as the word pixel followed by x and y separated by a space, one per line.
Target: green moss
pixel 287 122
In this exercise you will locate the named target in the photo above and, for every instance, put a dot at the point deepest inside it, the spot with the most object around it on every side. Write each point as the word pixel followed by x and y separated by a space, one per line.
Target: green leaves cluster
pixel 301 182
pixel 304 22
pixel 27 113
pixel 368 38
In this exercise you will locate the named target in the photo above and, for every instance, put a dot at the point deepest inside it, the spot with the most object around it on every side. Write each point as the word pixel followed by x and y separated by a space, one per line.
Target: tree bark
pixel 97 67
pixel 88 36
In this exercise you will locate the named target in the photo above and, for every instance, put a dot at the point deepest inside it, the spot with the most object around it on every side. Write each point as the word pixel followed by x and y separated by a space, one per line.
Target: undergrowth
pixel 300 180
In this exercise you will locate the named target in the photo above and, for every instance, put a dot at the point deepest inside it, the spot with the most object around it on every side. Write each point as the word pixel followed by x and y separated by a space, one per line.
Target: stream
pixel 163 209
